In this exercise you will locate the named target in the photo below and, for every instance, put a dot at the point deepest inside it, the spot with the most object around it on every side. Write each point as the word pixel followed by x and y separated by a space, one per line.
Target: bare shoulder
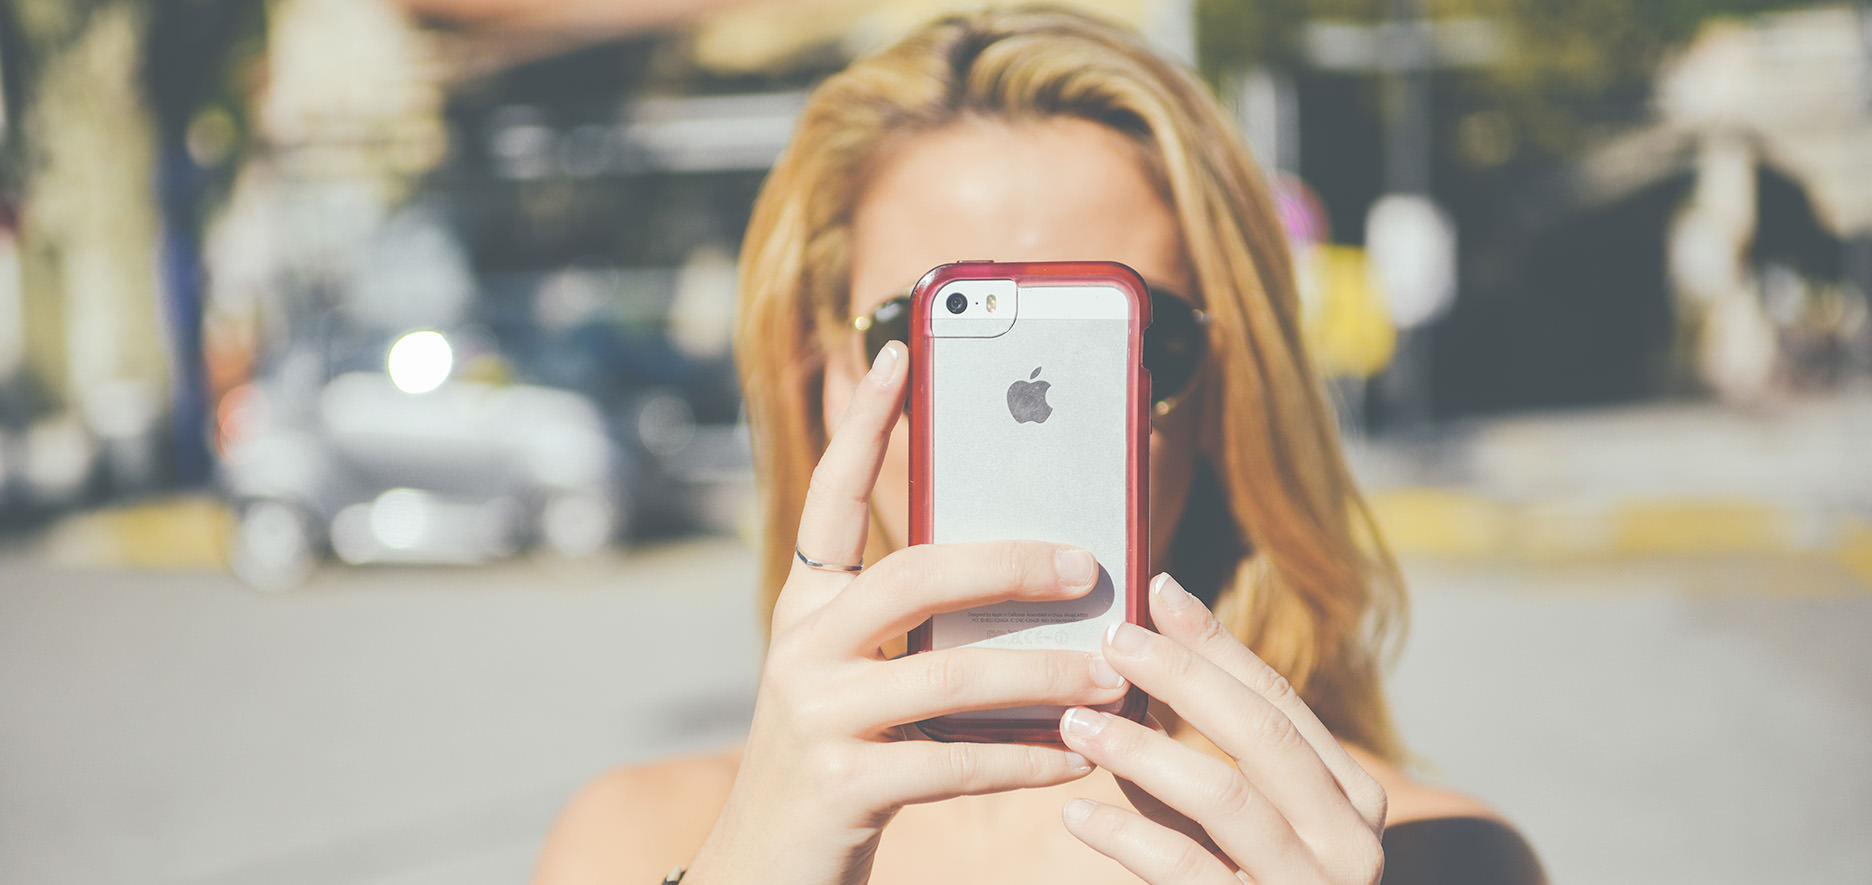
pixel 632 824
pixel 1411 799
pixel 1435 834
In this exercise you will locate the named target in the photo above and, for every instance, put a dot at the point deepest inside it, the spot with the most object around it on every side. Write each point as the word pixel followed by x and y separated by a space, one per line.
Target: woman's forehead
pixel 1060 189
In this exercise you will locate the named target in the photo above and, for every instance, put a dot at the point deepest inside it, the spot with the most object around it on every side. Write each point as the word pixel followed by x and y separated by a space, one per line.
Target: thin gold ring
pixel 826 566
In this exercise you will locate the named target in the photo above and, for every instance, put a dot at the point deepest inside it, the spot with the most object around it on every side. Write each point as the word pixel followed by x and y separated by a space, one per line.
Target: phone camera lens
pixel 958 302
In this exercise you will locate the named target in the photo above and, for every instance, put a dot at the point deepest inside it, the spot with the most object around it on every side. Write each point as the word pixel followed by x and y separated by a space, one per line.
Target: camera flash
pixel 991 304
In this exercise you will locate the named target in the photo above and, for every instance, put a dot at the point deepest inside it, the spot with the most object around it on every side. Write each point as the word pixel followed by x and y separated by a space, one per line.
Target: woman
pixel 1030 135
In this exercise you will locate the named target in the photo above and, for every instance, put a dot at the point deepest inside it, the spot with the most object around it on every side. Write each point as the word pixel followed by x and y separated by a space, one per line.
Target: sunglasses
pixel 1175 343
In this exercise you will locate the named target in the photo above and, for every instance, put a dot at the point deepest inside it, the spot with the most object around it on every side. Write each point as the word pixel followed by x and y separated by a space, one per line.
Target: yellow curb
pixel 1560 530
pixel 1700 526
pixel 1448 523
pixel 1438 522
pixel 1855 551
pixel 172 534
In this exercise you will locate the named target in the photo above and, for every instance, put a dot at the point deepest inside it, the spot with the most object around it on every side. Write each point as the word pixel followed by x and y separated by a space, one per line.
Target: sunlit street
pixel 390 725
pixel 407 406
pixel 423 725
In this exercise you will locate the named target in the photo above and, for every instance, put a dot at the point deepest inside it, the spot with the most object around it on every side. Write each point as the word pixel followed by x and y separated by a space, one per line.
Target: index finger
pixel 1185 619
pixel 836 517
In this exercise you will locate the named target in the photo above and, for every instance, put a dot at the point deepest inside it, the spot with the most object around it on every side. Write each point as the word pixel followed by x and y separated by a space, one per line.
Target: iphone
pixel 1030 419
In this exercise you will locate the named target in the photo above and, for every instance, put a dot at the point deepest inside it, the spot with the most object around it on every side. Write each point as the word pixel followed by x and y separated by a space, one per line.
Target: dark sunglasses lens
pixel 889 322
pixel 1174 345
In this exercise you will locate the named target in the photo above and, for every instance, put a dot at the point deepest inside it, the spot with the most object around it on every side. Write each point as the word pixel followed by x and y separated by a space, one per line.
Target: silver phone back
pixel 1062 479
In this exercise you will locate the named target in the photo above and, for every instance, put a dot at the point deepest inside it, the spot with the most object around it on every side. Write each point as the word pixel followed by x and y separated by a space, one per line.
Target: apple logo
pixel 1027 400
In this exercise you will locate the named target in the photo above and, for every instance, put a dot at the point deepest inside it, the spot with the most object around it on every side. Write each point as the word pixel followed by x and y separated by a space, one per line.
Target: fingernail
pixel 1078 763
pixel 1082 723
pixel 1126 638
pixel 1103 675
pixel 886 360
pixel 1075 567
pixel 1174 597
pixel 1077 810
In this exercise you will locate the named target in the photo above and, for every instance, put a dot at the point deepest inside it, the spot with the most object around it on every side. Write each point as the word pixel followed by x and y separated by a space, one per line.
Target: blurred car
pixel 668 389
pixel 411 457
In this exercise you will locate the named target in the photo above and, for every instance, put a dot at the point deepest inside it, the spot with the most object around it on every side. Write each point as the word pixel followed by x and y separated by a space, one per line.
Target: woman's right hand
pixel 827 762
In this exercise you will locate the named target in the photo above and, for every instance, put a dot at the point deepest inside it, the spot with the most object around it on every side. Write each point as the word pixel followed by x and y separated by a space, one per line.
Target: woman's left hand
pixel 1290 806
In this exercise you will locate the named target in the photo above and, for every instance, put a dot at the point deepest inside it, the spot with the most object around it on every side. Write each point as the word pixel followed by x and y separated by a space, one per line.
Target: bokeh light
pixel 420 361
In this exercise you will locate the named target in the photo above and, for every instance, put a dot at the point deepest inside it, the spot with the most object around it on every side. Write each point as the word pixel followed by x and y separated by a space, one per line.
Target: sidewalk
pixel 1648 479
pixel 1651 479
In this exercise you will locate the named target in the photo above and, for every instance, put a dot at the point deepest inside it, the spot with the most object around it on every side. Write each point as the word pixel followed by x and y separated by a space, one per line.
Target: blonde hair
pixel 1294 564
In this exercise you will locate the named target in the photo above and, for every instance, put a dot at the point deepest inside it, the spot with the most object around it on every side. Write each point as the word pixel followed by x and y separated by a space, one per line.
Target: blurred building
pixel 346 125
pixel 568 181
pixel 1769 255
pixel 1710 235
pixel 84 373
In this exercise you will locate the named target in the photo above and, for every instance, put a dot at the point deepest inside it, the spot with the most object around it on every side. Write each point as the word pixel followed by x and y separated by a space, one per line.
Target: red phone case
pixel 1137 537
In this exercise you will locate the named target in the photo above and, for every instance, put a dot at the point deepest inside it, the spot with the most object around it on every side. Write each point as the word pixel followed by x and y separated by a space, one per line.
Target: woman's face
pixel 1056 189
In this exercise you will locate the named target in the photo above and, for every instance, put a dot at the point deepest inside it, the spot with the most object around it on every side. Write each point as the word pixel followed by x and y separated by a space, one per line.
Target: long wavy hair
pixel 1275 537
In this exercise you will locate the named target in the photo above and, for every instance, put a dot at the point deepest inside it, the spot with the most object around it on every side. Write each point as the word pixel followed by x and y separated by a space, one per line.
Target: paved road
pixel 386 726
pixel 1660 720
pixel 1649 720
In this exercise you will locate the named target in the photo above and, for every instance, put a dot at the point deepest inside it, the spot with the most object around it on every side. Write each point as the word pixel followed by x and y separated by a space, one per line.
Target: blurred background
pixel 371 459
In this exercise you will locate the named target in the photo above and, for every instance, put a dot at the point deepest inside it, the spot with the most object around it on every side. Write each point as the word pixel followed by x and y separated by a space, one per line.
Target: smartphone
pixel 1029 419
